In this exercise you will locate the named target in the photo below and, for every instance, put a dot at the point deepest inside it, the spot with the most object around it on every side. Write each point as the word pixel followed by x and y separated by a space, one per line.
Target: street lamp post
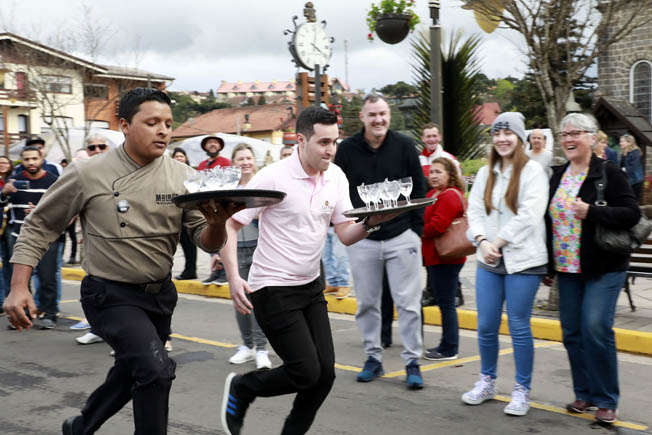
pixel 435 65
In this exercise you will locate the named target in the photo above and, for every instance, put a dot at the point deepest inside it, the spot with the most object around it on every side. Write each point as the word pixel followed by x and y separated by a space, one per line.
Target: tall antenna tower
pixel 346 63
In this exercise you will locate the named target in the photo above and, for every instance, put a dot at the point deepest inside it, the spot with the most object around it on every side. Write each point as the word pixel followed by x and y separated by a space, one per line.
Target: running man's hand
pixel 18 303
pixel 239 289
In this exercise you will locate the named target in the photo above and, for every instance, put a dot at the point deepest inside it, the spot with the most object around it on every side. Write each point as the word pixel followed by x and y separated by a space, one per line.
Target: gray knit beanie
pixel 513 121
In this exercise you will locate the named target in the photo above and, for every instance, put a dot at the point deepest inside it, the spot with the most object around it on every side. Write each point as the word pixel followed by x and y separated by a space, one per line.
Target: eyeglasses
pixel 101 146
pixel 573 134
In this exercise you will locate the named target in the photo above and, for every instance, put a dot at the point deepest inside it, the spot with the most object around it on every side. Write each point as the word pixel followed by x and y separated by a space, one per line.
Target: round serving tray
pixel 251 198
pixel 403 207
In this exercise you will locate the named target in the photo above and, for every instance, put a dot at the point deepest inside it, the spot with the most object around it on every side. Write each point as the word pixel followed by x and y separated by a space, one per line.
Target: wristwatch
pixel 369 229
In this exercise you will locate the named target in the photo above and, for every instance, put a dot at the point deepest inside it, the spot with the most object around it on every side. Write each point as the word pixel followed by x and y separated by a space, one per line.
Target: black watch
pixel 369 229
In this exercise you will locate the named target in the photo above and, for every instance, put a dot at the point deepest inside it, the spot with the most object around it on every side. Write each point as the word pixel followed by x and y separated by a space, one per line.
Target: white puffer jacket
pixel 524 232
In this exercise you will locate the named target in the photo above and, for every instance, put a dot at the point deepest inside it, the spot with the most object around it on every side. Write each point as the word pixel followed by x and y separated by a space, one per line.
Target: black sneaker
pixel 434 355
pixel 220 277
pixel 46 323
pixel 234 407
pixel 73 425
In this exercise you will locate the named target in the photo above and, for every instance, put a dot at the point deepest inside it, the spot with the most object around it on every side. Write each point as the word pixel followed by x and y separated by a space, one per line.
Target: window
pixel 2 79
pixel 2 123
pixel 22 123
pixel 641 87
pixel 57 84
pixel 99 92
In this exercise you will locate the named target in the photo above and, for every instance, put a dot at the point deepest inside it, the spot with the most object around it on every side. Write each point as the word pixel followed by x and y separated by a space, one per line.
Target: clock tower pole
pixel 311 50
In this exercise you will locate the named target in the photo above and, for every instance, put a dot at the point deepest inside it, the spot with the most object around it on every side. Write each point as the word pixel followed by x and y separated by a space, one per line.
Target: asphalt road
pixel 45 377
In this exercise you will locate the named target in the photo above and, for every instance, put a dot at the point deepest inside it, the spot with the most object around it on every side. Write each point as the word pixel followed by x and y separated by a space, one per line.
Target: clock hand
pixel 318 49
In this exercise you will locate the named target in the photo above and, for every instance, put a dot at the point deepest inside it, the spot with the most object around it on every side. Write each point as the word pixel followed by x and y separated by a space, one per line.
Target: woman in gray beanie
pixel 506 221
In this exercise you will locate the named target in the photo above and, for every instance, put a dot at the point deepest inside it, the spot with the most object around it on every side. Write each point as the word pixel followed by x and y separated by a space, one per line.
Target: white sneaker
pixel 243 355
pixel 520 403
pixel 485 389
pixel 89 338
pixel 262 360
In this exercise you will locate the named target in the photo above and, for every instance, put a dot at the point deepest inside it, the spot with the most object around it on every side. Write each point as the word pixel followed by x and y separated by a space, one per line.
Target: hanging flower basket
pixel 391 20
pixel 393 28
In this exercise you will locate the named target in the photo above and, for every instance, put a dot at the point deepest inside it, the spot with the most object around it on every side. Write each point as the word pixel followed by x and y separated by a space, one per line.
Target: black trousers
pixel 134 324
pixel 73 240
pixel 295 321
pixel 190 252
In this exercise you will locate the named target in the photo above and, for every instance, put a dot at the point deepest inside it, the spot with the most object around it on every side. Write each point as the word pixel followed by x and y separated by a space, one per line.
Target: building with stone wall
pixel 624 94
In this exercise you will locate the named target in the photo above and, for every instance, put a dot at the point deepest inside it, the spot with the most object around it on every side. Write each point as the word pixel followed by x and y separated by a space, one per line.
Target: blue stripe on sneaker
pixel 230 411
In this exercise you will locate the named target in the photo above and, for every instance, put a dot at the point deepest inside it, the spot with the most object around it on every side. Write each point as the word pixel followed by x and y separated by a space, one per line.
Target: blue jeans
pixel 518 291
pixel 35 277
pixel 443 283
pixel 336 262
pixel 586 311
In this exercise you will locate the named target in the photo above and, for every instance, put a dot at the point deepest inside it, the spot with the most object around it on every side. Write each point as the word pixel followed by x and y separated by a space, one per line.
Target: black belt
pixel 153 287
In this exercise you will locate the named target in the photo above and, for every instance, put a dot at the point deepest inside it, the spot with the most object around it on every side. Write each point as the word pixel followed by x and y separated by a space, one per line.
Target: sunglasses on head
pixel 101 146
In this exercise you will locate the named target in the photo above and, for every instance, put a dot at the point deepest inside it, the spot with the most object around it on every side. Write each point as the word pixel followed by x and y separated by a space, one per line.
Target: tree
pixel 399 90
pixel 568 33
pixel 462 134
pixel 185 107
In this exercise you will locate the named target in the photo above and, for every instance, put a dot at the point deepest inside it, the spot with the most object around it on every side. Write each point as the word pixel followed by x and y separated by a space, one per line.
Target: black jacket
pixel 396 158
pixel 622 212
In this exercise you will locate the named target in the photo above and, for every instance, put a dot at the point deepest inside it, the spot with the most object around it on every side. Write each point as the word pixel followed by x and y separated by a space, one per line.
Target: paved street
pixel 45 376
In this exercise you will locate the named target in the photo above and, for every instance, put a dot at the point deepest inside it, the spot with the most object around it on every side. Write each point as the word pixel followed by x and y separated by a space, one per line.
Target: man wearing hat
pixel 53 168
pixel 212 145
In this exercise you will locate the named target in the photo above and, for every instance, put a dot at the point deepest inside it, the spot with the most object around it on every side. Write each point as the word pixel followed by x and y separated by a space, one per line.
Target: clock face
pixel 312 45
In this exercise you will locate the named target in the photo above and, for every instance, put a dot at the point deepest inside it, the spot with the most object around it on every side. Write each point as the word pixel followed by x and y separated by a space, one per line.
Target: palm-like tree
pixel 463 135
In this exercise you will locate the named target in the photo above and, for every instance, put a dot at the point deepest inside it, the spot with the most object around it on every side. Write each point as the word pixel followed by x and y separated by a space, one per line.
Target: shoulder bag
pixel 454 244
pixel 617 240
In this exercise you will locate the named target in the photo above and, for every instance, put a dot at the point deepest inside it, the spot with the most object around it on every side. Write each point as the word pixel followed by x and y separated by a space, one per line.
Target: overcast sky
pixel 202 42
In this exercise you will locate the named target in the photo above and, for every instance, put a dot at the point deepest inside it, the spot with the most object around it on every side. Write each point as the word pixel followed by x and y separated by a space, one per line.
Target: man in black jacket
pixel 374 154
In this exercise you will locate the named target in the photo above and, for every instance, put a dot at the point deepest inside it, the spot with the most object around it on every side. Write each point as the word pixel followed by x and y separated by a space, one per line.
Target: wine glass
pixel 406 188
pixel 231 176
pixel 373 194
pixel 193 183
pixel 212 179
pixel 384 193
pixel 394 190
pixel 363 191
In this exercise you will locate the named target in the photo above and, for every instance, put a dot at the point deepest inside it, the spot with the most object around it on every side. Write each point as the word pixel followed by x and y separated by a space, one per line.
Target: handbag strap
pixel 459 195
pixel 601 185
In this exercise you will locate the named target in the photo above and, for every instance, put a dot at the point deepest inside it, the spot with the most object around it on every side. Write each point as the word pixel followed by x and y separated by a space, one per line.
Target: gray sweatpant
pixel 401 256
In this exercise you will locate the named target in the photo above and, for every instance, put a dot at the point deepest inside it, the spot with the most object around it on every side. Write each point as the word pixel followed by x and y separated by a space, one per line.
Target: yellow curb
pixel 627 340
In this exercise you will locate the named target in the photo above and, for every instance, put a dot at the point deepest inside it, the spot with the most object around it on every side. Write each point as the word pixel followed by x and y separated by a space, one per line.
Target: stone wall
pixel 615 64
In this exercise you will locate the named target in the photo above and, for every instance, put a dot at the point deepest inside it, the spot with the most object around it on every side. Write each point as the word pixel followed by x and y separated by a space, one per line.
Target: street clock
pixel 310 45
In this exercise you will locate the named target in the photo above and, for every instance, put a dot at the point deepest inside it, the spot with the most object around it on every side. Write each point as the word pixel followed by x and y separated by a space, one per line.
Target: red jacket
pixel 436 220
pixel 219 161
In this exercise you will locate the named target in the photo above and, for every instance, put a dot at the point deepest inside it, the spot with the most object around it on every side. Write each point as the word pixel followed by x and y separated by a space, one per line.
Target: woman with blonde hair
pixel 632 163
pixel 602 149
pixel 254 340
pixel 506 221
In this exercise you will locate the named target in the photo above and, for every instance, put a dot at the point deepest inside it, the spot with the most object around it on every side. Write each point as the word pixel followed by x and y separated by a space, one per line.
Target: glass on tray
pixel 387 192
pixel 213 179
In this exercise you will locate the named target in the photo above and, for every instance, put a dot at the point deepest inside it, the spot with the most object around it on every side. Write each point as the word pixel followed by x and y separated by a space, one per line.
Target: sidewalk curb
pixel 627 340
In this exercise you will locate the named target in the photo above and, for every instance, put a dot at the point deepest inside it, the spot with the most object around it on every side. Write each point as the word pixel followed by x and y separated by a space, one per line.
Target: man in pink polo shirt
pixel 284 288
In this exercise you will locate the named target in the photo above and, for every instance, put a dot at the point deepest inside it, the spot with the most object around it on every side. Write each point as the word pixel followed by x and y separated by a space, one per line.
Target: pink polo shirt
pixel 292 233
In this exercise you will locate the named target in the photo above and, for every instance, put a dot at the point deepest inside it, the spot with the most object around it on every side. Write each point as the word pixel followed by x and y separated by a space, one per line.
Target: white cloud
pixel 201 42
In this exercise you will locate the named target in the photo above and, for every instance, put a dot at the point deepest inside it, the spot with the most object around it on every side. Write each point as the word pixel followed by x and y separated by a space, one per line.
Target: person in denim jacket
pixel 632 164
